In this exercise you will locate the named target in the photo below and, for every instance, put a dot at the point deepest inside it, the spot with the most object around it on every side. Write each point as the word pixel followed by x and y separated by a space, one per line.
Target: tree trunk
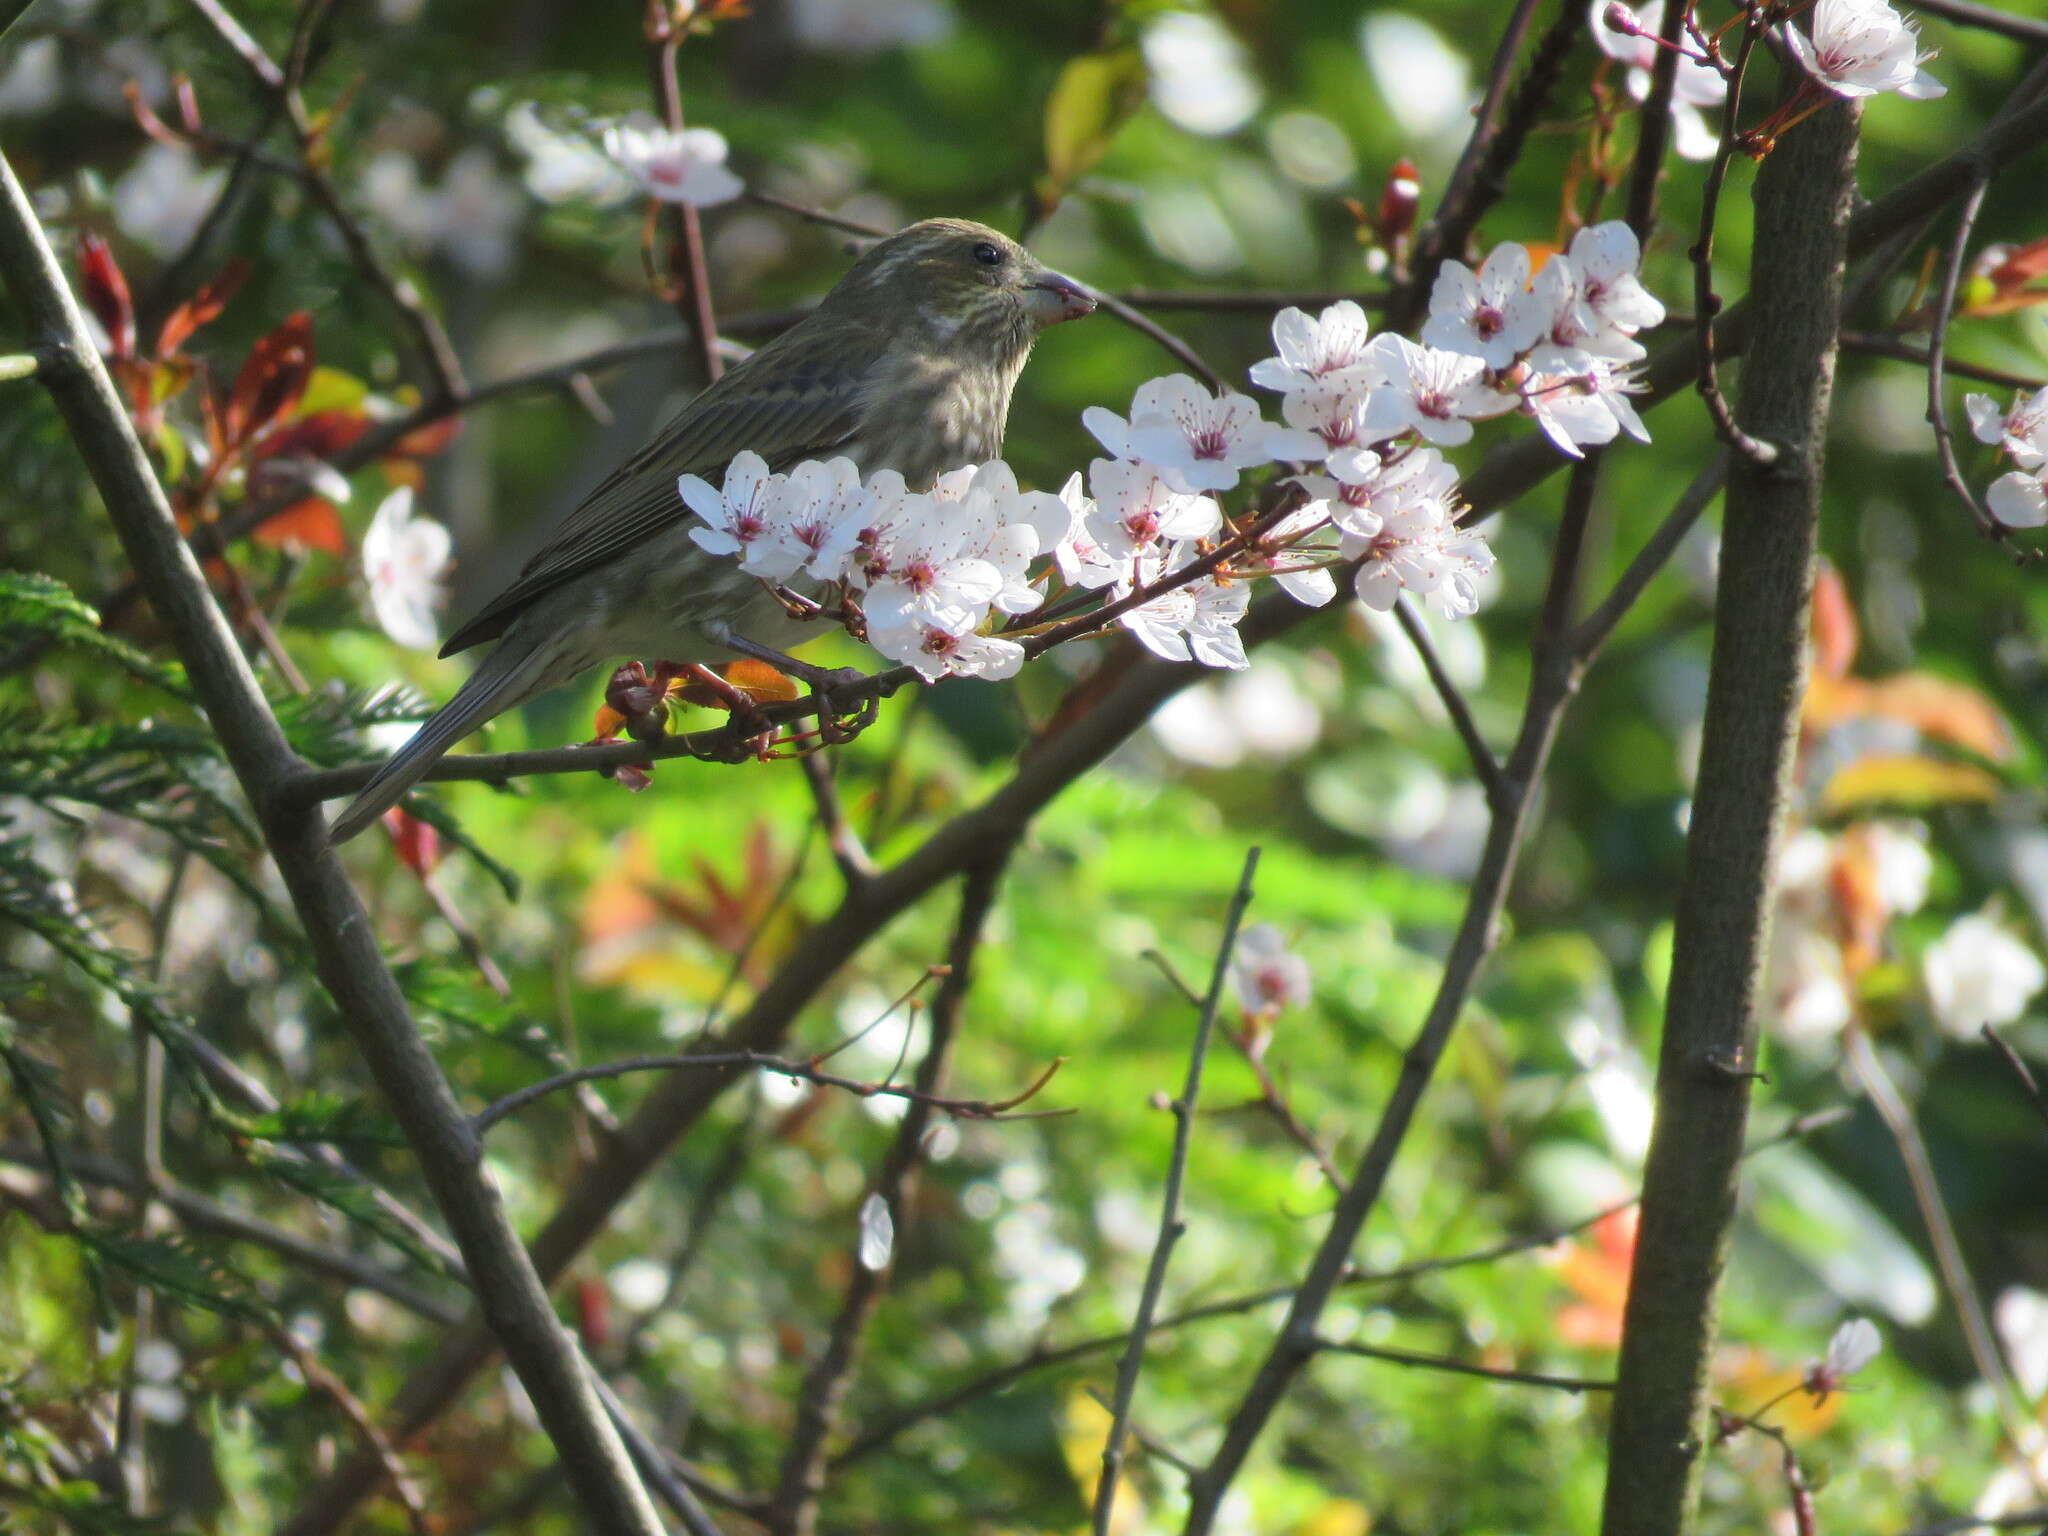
pixel 1660 1431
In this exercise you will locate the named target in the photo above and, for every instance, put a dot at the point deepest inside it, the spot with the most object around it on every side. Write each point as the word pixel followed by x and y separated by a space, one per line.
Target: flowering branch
pixel 664 40
pixel 1122 698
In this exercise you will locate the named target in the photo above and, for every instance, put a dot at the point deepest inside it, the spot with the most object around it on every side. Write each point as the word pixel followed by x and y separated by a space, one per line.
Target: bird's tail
pixel 510 674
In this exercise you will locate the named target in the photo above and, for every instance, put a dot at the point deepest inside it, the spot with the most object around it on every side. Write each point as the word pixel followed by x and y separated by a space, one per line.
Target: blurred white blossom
pixel 1269 977
pixel 161 199
pixel 1977 973
pixel 404 560
pixel 674 166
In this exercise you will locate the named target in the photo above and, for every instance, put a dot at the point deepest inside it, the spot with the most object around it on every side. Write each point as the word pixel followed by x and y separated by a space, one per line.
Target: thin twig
pixel 1873 344
pixel 664 41
pixel 1462 1367
pixel 1988 523
pixel 1597 626
pixel 1171 1223
pixel 856 864
pixel 335 1390
pixel 793 1510
pixel 2020 1069
pixel 1978 1334
pixel 890 1426
pixel 727 1061
pixel 1987 18
pixel 1484 763
pixel 1706 302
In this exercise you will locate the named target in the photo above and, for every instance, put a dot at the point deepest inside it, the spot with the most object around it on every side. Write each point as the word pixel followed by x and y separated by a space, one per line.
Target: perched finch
pixel 907 364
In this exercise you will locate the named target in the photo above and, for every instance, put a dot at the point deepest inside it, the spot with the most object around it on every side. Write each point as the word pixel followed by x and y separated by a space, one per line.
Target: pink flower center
pixel 938 643
pixel 919 575
pixel 1143 527
pixel 1488 322
pixel 748 526
pixel 1209 444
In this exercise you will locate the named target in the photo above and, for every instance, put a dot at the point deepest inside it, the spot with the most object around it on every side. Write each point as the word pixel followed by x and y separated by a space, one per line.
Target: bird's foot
pixel 844 708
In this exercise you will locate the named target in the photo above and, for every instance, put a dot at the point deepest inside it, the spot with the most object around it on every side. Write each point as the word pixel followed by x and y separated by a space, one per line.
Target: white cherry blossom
pixel 1573 334
pixel 1008 527
pixel 1585 407
pixel 1294 563
pixel 917 572
pixel 946 646
pixel 2020 499
pixel 1199 440
pixel 404 559
pixel 1854 1345
pixel 1694 86
pixel 1863 48
pixel 1329 349
pixel 2021 432
pixel 747 515
pixel 1269 977
pixel 674 166
pixel 1428 391
pixel 1194 622
pixel 1082 562
pixel 1476 313
pixel 1320 418
pixel 1136 509
pixel 1604 258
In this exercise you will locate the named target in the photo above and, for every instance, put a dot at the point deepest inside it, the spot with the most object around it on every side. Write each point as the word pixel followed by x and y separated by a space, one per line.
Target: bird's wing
pixel 790 401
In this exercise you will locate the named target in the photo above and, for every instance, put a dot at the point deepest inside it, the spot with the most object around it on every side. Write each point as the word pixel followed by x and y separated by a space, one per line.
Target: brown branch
pixel 793 1509
pixel 335 1390
pixel 778 1066
pixel 1462 1367
pixel 1597 626
pixel 338 932
pixel 889 1427
pixel 1705 1071
pixel 664 41
pixel 1171 1225
pixel 1706 302
pixel 1552 682
pixel 1987 522
pixel 1978 1334
pixel 1125 698
pixel 2020 1069
pixel 1964 13
pixel 1872 344
pixel 1484 763
pixel 856 864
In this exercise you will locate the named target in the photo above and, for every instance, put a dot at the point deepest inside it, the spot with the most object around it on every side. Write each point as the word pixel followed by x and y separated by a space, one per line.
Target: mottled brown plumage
pixel 907 364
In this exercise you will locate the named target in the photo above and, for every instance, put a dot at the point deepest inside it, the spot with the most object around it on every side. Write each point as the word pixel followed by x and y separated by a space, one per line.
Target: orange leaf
pixel 425 442
pixel 1907 780
pixel 759 681
pixel 608 724
pixel 202 308
pixel 309 523
pixel 1946 711
pixel 1834 625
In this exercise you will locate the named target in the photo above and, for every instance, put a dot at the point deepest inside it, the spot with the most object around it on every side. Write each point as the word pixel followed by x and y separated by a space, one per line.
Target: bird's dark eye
pixel 988 255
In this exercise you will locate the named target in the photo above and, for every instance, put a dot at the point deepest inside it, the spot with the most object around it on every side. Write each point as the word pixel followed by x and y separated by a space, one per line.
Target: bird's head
pixel 961 279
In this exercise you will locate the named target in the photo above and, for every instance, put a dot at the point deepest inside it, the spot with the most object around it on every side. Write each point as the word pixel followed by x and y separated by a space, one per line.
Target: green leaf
pixel 1093 97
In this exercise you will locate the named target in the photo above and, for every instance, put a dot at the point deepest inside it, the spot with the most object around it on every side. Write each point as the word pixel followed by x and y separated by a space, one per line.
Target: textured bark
pixel 1660 1434
pixel 351 967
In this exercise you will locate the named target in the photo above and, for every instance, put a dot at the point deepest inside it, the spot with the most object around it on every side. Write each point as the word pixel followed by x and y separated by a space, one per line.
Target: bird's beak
pixel 1053 298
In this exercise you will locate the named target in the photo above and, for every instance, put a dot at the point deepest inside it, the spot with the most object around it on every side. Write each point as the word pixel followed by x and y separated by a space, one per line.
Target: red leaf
pixel 418 845
pixel 310 523
pixel 106 292
pixel 202 308
pixel 272 379
pixel 320 435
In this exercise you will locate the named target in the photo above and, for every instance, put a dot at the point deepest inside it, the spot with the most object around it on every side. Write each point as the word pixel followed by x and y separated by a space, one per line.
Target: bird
pixel 906 364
